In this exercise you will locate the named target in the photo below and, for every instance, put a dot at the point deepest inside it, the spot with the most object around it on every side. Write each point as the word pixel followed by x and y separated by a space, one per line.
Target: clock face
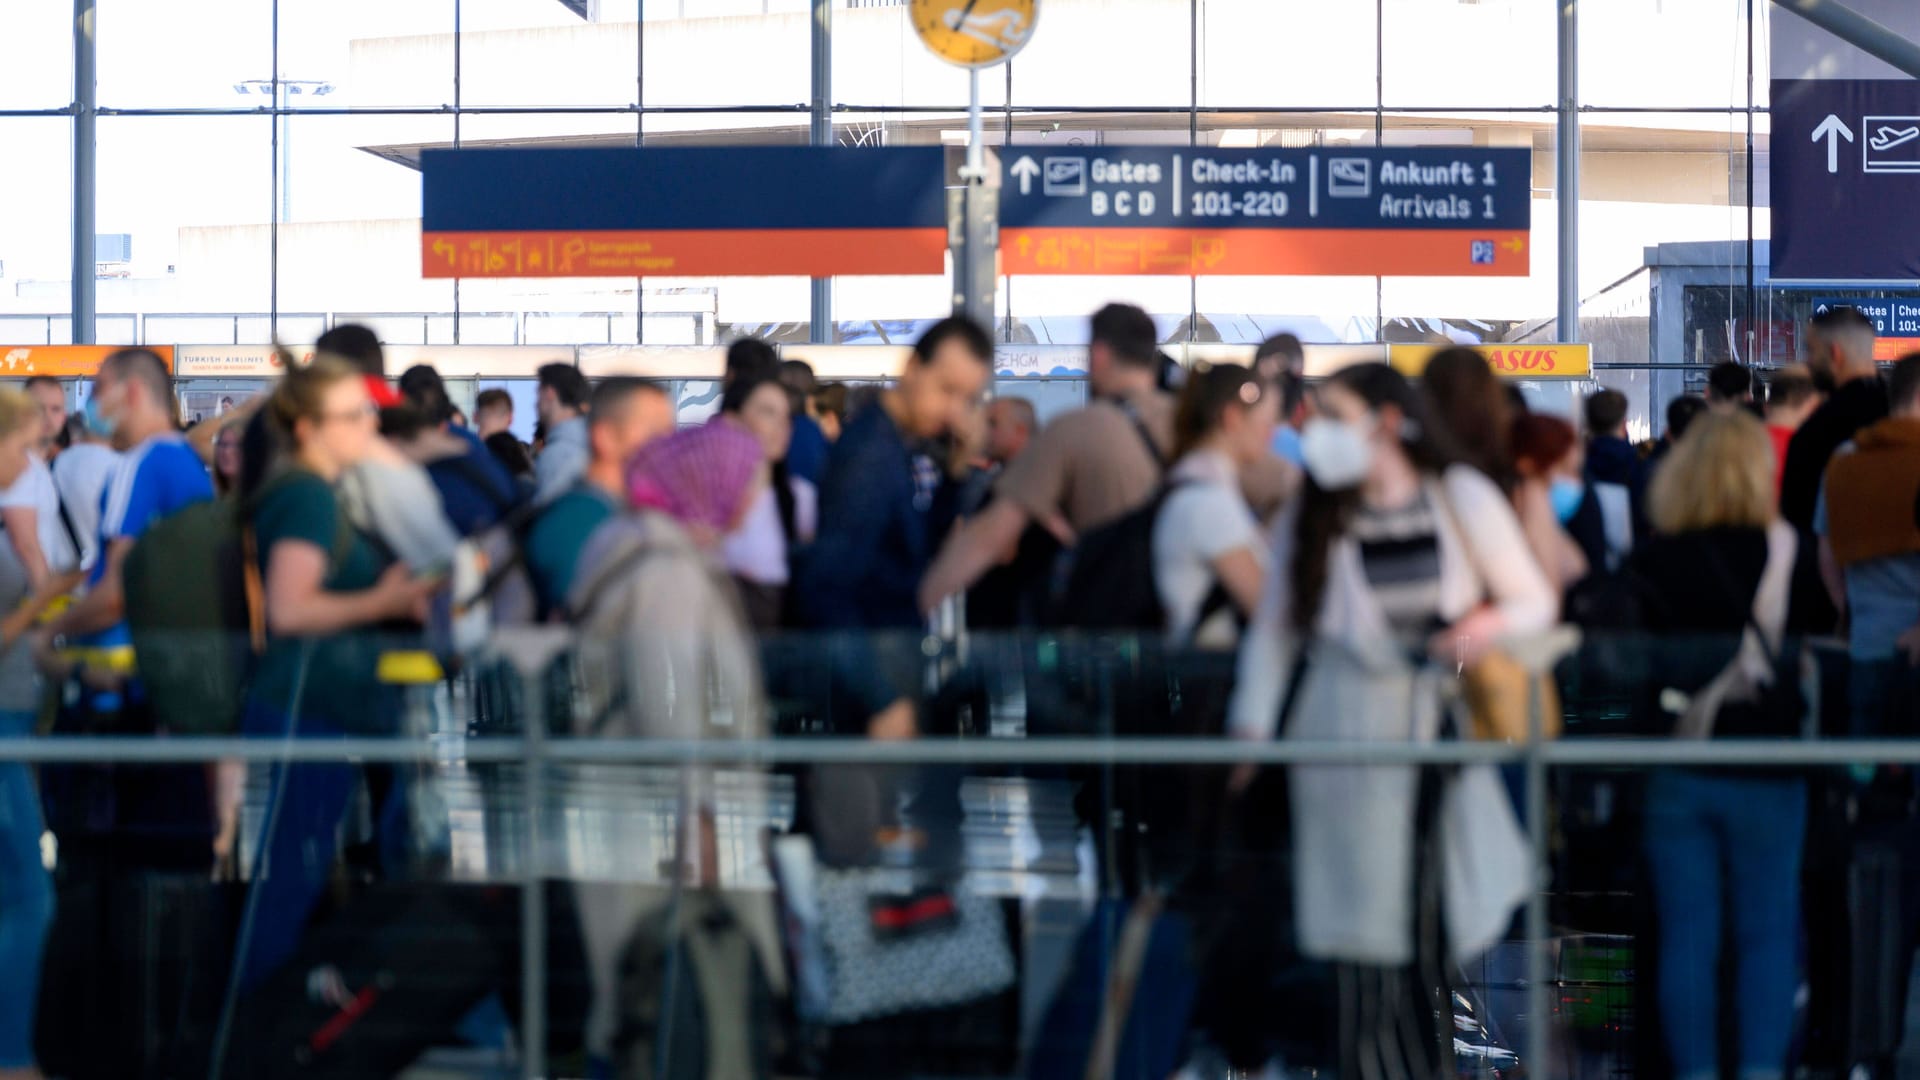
pixel 974 33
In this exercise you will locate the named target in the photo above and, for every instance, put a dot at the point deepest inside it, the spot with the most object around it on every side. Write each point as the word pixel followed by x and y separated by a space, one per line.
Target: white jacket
pixel 664 652
pixel 1353 825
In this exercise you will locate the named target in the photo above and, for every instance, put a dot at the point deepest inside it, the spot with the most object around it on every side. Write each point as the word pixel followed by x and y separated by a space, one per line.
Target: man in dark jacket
pixel 1839 346
pixel 881 519
pixel 882 514
pixel 1611 519
pixel 878 520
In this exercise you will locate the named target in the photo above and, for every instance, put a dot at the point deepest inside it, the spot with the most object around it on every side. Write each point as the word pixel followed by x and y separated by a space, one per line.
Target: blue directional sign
pixel 1846 179
pixel 1896 317
pixel 1315 210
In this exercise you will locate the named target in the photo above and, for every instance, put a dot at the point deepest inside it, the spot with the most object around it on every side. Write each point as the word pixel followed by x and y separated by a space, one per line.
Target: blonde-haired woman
pixel 1723 841
pixel 26 893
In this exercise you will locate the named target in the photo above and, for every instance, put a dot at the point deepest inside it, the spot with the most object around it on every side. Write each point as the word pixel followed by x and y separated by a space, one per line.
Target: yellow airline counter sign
pixel 1508 360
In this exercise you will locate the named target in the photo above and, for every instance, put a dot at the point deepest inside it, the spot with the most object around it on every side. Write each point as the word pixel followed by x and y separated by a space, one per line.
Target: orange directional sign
pixel 1452 211
pixel 63 361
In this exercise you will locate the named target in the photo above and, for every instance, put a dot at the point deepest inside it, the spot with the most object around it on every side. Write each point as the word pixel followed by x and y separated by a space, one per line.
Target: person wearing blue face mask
pixel 1549 492
pixel 1281 360
pixel 116 821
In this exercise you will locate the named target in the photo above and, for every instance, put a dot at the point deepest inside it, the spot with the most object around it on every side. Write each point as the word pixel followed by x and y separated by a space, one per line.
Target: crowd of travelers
pixel 1358 557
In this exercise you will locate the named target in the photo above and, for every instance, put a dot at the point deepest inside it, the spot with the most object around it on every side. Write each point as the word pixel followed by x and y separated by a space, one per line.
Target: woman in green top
pixel 322 581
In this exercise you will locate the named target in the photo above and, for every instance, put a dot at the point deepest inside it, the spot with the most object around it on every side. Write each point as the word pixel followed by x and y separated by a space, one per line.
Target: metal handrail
pixel 1094 750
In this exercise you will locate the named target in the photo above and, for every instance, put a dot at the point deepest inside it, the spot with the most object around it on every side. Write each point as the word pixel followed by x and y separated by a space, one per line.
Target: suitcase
pixel 388 977
pixel 135 968
pixel 1878 957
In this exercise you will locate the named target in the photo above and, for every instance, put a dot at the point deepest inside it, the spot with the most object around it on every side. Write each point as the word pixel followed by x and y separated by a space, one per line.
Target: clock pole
pixel 821 328
pixel 973 223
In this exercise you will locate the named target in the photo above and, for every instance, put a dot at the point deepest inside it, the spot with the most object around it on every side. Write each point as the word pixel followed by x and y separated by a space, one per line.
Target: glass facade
pixel 573 854
pixel 260 158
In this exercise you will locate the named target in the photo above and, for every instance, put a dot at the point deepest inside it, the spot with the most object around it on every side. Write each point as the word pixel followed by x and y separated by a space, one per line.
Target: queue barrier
pixel 1026 666
pixel 1531 361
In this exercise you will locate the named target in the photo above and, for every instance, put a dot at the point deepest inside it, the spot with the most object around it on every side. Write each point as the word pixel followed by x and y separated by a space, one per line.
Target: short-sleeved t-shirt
pixel 556 539
pixel 35 491
pixel 159 477
pixel 1204 517
pixel 161 804
pixel 340 676
pixel 1091 465
pixel 81 474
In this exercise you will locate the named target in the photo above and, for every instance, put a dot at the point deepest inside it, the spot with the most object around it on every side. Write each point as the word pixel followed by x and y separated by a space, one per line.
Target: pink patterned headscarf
pixel 701 476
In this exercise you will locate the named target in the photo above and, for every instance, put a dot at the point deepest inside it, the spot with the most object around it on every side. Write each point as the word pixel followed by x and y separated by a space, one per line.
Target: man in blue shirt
pixel 132 405
pixel 166 811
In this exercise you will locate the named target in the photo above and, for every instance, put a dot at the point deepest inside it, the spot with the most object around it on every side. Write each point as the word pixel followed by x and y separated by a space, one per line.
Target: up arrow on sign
pixel 1833 129
pixel 1026 170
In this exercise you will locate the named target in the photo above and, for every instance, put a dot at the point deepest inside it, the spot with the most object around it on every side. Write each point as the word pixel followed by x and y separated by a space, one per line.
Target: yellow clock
pixel 974 33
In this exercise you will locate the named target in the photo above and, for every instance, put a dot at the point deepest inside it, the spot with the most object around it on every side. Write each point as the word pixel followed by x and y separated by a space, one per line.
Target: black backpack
pixel 193 598
pixel 1110 583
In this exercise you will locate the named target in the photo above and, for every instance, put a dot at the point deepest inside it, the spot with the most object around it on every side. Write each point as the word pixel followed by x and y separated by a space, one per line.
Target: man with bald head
pixel 1010 425
pixel 1839 348
pixel 625 414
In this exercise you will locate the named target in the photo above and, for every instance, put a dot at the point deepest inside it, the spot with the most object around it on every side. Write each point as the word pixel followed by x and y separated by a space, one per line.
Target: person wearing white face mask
pixel 1393 568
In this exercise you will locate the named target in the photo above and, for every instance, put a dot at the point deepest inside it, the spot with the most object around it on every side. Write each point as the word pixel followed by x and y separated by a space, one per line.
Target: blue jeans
pixel 26 901
pixel 1721 843
pixel 306 804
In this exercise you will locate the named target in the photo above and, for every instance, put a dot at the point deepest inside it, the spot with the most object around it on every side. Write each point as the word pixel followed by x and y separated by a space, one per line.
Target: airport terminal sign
pixel 693 211
pixel 64 361
pixel 1462 211
pixel 1846 179
pixel 1896 321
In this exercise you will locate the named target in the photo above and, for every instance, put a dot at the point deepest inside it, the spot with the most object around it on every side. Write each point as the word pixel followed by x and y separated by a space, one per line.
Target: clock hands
pixel 960 21
pixel 1002 29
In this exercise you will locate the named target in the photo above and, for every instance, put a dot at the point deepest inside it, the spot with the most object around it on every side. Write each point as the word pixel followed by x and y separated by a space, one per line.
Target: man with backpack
pixel 159 474
pixel 1086 468
pixel 626 415
pixel 118 824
